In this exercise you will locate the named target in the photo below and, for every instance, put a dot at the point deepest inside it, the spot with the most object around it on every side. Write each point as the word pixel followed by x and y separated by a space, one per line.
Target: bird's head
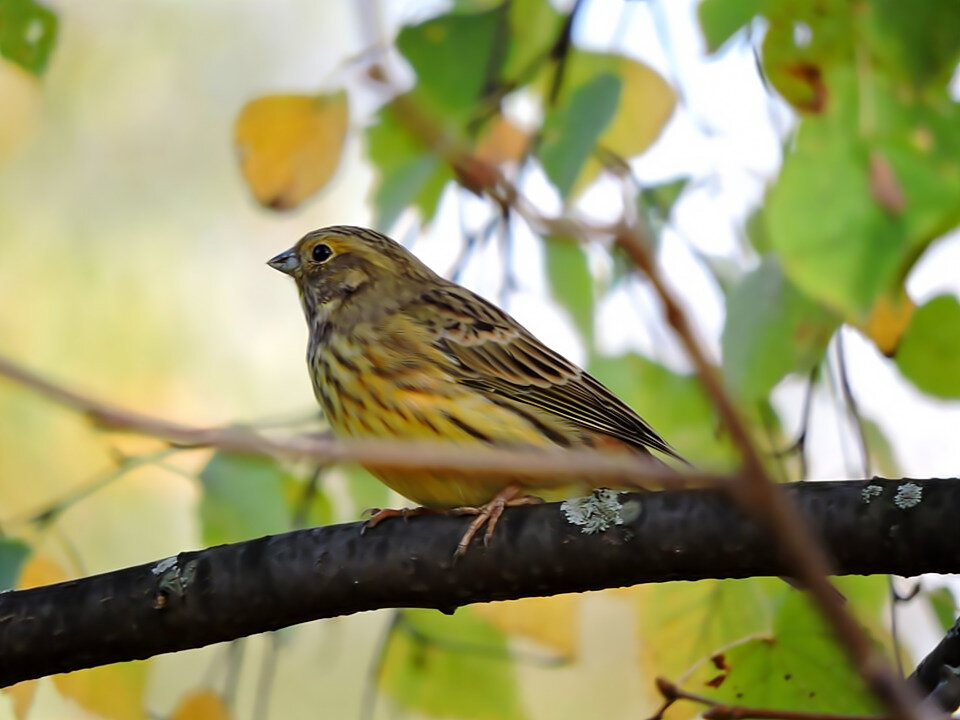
pixel 335 267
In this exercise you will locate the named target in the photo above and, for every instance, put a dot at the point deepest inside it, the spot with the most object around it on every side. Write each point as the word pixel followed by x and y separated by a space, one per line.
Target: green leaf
pixel 534 28
pixel 797 664
pixel 365 490
pixel 28 33
pixel 720 19
pixel 12 554
pixel 409 173
pixel 455 57
pixel 943 605
pixel 661 198
pixel 882 458
pixel 243 498
pixel 450 666
pixel 800 70
pixel 655 203
pixel 645 103
pixel 571 283
pixel 475 6
pixel 929 352
pixel 571 130
pixel 756 231
pixel 918 40
pixel 683 624
pixel 772 329
pixel 318 509
pixel 673 404
pixel 838 239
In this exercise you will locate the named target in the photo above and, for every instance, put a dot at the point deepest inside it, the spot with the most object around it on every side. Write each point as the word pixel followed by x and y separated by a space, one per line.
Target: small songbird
pixel 396 351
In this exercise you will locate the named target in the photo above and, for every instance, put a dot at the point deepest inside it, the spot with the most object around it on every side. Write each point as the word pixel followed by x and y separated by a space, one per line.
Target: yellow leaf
pixel 889 318
pixel 646 103
pixel 201 705
pixel 290 145
pixel 20 100
pixel 502 142
pixel 21 697
pixel 553 621
pixel 41 570
pixel 682 626
pixel 111 691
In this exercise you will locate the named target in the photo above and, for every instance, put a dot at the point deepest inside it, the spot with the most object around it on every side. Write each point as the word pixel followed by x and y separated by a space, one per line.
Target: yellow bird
pixel 396 351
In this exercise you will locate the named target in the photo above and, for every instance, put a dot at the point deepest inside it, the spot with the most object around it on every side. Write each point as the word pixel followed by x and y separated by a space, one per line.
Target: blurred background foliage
pixel 796 163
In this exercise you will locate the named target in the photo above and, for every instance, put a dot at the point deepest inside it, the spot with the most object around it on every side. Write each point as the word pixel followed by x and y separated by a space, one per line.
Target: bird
pixel 397 351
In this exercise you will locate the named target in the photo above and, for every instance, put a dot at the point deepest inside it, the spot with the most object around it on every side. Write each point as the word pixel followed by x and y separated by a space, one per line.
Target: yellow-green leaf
pixel 551 621
pixel 646 102
pixel 797 666
pixel 114 692
pixel 450 666
pixel 571 129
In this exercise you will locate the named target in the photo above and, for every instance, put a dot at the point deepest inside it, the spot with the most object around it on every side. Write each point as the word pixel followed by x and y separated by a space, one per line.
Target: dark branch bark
pixel 938 674
pixel 198 598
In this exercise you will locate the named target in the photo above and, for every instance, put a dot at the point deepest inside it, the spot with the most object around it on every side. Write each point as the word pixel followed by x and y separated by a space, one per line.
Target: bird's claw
pixel 489 515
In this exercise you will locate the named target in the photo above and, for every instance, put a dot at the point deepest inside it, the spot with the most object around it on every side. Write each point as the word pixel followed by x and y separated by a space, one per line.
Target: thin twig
pixel 672 693
pixel 51 511
pixel 852 405
pixel 799 445
pixel 307 496
pixel 544 467
pixel 368 702
pixel 268 671
pixel 231 683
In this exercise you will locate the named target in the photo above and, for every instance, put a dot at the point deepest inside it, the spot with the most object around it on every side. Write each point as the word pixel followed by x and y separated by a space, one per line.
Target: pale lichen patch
pixel 908 495
pixel 164 565
pixel 594 513
pixel 870 492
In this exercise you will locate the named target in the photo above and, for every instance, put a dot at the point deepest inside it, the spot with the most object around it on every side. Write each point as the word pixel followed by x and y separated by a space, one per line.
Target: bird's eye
pixel 322 253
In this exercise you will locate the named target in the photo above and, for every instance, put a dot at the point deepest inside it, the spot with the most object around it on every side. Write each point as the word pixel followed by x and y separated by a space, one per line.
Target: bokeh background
pixel 132 268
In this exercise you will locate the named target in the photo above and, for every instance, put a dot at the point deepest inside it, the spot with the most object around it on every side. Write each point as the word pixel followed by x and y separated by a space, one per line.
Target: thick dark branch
pixel 198 598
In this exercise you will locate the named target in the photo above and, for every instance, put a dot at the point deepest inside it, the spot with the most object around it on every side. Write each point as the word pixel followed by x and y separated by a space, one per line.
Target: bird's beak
pixel 286 262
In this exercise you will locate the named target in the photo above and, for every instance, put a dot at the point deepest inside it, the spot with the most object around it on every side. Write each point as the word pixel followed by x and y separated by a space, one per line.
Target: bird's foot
pixel 489 515
pixel 378 515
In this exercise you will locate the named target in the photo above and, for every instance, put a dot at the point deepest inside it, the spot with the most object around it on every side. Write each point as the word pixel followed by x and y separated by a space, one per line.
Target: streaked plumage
pixel 397 351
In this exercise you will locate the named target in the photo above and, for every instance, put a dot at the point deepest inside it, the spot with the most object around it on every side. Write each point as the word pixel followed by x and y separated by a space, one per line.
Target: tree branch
pixel 937 674
pixel 904 527
pixel 554 467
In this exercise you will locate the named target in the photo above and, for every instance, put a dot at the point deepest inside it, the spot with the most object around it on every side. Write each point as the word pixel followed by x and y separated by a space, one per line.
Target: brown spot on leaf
pixel 717 681
pixel 884 185
pixel 810 75
pixel 719 661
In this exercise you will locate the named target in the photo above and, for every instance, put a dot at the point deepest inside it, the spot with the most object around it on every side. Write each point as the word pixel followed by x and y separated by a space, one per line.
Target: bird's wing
pixel 490 351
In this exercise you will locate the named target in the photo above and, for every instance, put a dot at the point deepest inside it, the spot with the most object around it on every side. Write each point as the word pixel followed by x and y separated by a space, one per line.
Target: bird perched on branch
pixel 396 351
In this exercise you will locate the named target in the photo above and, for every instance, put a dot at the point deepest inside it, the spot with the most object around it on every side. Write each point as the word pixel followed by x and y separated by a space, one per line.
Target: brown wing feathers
pixel 494 354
